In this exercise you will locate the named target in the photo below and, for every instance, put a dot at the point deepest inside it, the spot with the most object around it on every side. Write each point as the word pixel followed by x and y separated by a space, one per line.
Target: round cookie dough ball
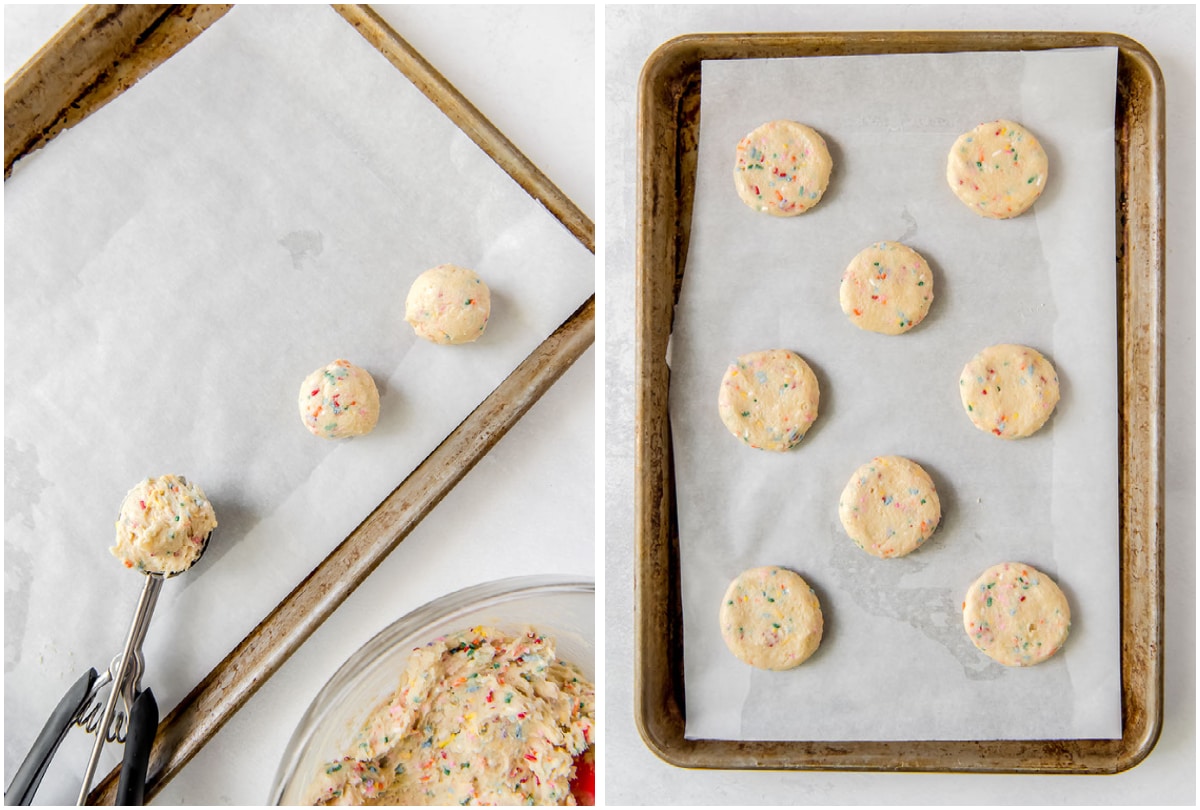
pixel 997 169
pixel 769 399
pixel 1009 390
pixel 1016 615
pixel 889 507
pixel 782 168
pixel 448 304
pixel 339 400
pixel 163 526
pixel 771 618
pixel 887 288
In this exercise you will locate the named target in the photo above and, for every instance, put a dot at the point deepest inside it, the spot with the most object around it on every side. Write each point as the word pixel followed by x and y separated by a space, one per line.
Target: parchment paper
pixel 174 266
pixel 895 662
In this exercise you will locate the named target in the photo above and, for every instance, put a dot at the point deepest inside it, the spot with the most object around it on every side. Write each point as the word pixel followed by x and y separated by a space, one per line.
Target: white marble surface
pixel 538 483
pixel 1168 774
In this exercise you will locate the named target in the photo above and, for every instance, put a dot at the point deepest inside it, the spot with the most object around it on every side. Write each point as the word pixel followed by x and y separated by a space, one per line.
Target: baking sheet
pixel 895 663
pixel 175 266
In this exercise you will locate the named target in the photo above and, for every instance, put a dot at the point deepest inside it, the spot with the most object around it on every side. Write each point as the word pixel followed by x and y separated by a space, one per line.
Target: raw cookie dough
pixel 769 399
pixel 1016 615
pixel 448 304
pixel 890 507
pixel 479 717
pixel 771 619
pixel 887 288
pixel 1009 390
pixel 339 400
pixel 782 168
pixel 163 525
pixel 997 169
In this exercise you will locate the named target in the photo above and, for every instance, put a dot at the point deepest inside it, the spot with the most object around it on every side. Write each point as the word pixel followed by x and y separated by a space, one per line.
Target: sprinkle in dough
pixel 769 399
pixel 1016 615
pixel 448 304
pixel 163 526
pixel 771 619
pixel 997 169
pixel 338 401
pixel 1009 390
pixel 887 288
pixel 782 168
pixel 890 507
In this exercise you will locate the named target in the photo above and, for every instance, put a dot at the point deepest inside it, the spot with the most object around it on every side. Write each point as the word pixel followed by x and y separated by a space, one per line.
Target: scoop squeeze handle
pixel 143 723
pixel 29 775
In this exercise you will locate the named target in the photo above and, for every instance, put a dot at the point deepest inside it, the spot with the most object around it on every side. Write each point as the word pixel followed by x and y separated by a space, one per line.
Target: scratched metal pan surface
pixel 668 130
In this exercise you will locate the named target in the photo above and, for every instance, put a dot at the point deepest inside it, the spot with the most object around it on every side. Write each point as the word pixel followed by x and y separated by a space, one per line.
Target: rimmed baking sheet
pixel 670 94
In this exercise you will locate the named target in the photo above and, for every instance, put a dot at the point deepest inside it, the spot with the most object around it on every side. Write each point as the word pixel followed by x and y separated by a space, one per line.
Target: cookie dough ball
pixel 163 526
pixel 339 400
pixel 448 304
pixel 782 168
pixel 769 399
pixel 1009 390
pixel 887 288
pixel 997 169
pixel 1016 615
pixel 771 619
pixel 890 507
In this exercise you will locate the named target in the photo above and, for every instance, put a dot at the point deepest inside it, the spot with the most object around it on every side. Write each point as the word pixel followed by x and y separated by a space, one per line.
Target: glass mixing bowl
pixel 560 608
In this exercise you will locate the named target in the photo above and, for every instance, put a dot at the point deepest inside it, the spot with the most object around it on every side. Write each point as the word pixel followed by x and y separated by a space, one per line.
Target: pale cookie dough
pixel 782 168
pixel 1016 615
pixel 889 507
pixel 769 399
pixel 887 288
pixel 479 717
pixel 163 526
pixel 339 400
pixel 1009 390
pixel 997 169
pixel 771 618
pixel 448 304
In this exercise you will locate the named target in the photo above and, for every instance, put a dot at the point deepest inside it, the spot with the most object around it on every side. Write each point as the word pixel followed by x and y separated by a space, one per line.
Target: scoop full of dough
pixel 163 525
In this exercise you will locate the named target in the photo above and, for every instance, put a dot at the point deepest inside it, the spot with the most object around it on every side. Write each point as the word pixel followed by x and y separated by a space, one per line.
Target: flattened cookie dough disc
pixel 782 168
pixel 1009 390
pixel 887 288
pixel 771 619
pixel 769 399
pixel 338 401
pixel 1016 615
pixel 448 304
pixel 889 507
pixel 997 169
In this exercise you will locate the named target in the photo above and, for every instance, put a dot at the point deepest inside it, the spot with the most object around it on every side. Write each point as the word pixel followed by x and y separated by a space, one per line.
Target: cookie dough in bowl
pixel 1016 615
pixel 338 401
pixel 1009 390
pixel 481 696
pixel 771 619
pixel 887 288
pixel 782 168
pixel 448 304
pixel 769 399
pixel 163 525
pixel 889 507
pixel 998 169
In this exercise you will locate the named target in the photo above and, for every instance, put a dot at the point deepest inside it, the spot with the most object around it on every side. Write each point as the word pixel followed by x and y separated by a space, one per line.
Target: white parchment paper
pixel 895 662
pixel 174 266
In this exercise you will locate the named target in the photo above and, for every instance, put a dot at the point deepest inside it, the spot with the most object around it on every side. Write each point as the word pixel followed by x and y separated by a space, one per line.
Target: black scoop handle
pixel 143 723
pixel 29 775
